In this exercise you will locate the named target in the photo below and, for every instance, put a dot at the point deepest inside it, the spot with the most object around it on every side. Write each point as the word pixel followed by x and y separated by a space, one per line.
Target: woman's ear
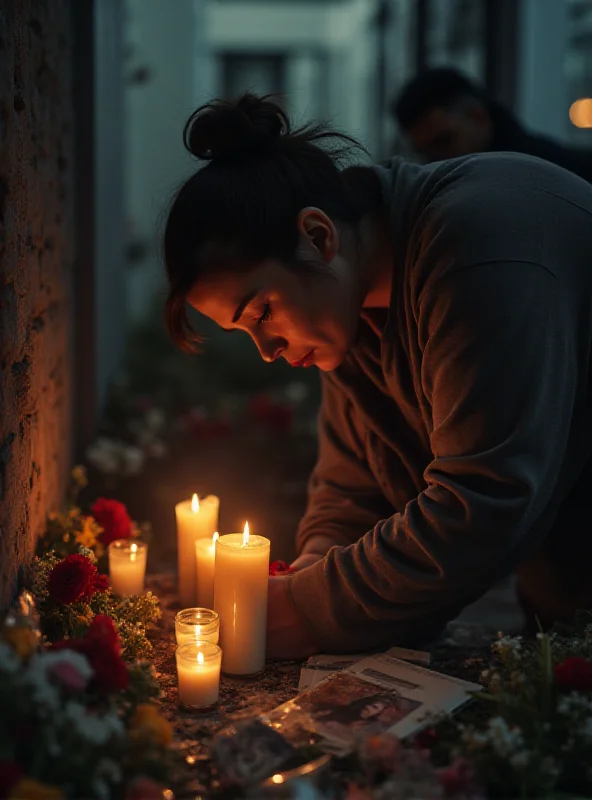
pixel 320 231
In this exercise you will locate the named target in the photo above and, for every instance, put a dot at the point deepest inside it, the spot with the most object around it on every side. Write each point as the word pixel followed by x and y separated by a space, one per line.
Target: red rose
pixel 103 632
pixel 574 673
pixel 10 775
pixel 280 568
pixel 113 518
pixel 72 579
pixel 101 583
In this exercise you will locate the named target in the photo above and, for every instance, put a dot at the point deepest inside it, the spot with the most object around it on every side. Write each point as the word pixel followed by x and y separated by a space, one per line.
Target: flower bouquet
pixel 76 720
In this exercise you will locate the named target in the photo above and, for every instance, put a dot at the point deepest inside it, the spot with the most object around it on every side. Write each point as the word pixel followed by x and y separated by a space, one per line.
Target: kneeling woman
pixel 449 308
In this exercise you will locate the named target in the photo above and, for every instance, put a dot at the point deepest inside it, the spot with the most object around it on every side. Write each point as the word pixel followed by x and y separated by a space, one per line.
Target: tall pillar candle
pixel 205 557
pixel 196 519
pixel 240 598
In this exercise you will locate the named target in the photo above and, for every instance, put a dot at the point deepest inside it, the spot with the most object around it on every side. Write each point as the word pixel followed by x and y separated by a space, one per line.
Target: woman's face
pixel 307 316
pixel 373 709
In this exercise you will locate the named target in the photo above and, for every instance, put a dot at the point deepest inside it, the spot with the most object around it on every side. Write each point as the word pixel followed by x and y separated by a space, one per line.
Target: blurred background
pixel 224 421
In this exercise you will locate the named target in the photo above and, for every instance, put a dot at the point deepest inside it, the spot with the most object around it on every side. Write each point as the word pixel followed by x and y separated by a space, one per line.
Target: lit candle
pixel 198 674
pixel 240 598
pixel 193 624
pixel 205 554
pixel 195 520
pixel 127 566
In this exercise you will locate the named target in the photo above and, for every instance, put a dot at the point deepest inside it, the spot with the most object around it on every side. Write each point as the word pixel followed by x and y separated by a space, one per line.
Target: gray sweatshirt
pixel 462 417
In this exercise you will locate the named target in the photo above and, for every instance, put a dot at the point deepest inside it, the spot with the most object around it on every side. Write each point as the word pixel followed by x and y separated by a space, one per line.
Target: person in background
pixel 444 115
pixel 449 310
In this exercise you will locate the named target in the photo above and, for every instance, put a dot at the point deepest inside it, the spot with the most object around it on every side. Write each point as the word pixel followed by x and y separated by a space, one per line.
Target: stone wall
pixel 36 233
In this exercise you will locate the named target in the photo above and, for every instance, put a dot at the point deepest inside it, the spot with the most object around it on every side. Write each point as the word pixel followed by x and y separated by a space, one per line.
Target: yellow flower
pixel 87 537
pixel 147 723
pixel 30 789
pixel 79 476
pixel 21 638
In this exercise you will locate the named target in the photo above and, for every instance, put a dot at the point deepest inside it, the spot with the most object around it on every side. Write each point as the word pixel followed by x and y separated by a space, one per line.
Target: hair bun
pixel 234 128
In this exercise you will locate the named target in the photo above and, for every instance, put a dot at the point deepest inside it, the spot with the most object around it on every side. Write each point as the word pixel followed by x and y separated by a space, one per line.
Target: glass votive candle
pixel 198 674
pixel 127 566
pixel 193 624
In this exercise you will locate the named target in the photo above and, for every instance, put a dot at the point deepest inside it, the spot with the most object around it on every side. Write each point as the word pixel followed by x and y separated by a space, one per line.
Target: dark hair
pixel 441 86
pixel 242 206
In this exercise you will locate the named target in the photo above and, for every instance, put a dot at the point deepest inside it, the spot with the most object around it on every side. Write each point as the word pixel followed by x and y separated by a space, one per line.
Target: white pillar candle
pixel 127 566
pixel 197 624
pixel 240 598
pixel 198 674
pixel 205 554
pixel 196 519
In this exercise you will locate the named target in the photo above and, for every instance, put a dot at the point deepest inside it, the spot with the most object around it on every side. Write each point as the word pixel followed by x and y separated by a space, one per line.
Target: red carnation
pixel 103 632
pixel 280 568
pixel 72 579
pixel 113 518
pixel 574 673
pixel 10 775
pixel 110 671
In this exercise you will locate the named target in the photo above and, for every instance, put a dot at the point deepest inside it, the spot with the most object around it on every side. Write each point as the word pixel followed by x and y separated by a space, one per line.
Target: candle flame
pixel 215 537
pixel 195 504
pixel 246 535
pixel 134 552
pixel 200 658
pixel 134 547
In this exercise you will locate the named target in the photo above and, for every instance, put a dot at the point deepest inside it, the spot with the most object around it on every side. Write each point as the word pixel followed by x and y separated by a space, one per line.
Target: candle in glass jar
pixel 205 554
pixel 196 519
pixel 198 674
pixel 127 566
pixel 240 598
pixel 197 624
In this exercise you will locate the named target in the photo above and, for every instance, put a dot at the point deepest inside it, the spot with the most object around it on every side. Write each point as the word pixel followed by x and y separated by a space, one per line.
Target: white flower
pixel 95 729
pixel 508 645
pixel 77 660
pixel 133 459
pixel 520 759
pixel 504 740
pixel 45 694
pixel 103 454
pixel 10 663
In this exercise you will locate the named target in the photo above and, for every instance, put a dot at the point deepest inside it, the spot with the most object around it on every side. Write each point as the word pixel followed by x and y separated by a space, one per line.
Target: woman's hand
pixel 287 635
pixel 305 560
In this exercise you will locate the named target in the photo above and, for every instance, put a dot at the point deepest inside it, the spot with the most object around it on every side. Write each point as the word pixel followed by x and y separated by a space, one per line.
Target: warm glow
pixel 194 504
pixel 215 538
pixel 134 551
pixel 246 535
pixel 277 778
pixel 580 113
pixel 200 658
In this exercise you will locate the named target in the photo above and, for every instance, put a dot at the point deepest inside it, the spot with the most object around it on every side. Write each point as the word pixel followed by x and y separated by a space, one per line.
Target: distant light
pixel 277 778
pixel 580 112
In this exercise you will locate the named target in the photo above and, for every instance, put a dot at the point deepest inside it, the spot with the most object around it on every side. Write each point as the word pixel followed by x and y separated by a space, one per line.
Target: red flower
pixel 426 739
pixel 113 518
pixel 276 416
pixel 73 579
pixel 10 775
pixel 102 631
pixel 102 648
pixel 456 778
pixel 574 673
pixel 280 568
pixel 110 671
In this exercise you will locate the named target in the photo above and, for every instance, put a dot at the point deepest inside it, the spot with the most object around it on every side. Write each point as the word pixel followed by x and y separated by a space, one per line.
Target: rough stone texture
pixel 36 203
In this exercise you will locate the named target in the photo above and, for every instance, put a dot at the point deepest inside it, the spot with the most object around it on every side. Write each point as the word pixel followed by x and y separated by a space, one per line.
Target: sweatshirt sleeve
pixel 498 368
pixel 344 500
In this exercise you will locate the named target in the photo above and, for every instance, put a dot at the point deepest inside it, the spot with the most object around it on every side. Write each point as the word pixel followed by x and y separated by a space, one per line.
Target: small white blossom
pixel 97 730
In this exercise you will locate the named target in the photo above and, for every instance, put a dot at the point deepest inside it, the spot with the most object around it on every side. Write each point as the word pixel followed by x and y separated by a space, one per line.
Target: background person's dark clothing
pixel 510 136
pixel 455 433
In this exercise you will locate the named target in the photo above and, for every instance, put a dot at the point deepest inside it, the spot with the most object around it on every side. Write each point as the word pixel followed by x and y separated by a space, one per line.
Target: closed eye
pixel 265 315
